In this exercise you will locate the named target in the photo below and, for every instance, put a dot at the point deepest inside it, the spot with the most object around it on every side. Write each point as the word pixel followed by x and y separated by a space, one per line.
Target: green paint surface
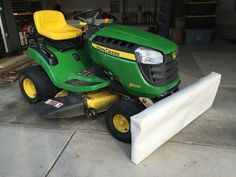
pixel 68 68
pixel 139 37
pixel 126 71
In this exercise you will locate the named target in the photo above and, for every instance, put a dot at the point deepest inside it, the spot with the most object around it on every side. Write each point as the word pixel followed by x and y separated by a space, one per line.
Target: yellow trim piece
pixel 62 93
pixel 113 52
pixel 106 20
pixel 29 88
pixel 121 123
pixel 100 101
pixel 83 24
pixel 174 55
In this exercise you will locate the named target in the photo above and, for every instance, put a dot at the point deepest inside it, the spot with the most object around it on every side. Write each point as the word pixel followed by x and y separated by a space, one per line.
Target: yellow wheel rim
pixel 121 123
pixel 29 88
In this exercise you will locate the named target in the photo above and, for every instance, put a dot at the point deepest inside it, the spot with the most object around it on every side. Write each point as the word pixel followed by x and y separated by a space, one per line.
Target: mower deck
pixel 75 105
pixel 62 107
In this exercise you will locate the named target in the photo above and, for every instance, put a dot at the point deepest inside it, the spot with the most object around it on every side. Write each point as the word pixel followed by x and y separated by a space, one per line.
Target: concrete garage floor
pixel 35 147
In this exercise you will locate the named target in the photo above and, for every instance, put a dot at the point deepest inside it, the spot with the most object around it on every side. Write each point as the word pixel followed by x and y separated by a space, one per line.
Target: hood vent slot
pixel 115 44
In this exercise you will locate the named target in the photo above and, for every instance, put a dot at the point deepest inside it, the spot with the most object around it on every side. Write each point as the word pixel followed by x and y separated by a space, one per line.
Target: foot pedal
pixel 62 107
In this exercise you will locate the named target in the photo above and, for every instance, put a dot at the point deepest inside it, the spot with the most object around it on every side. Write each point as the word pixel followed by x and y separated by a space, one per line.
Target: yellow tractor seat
pixel 52 24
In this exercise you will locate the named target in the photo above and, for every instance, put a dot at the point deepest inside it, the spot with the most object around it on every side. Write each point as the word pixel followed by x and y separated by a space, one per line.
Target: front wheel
pixel 118 119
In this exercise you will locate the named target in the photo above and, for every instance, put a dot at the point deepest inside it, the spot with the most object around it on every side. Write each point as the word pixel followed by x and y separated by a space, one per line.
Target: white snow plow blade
pixel 157 124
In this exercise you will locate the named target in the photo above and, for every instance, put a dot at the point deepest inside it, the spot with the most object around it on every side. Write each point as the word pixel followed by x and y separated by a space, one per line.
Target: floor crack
pixel 50 169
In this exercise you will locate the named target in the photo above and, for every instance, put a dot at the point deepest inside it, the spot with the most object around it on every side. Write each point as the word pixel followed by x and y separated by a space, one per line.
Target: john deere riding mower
pixel 97 68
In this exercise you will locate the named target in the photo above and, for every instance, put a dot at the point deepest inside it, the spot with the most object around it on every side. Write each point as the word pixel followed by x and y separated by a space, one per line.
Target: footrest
pixel 82 82
pixel 63 107
pixel 77 82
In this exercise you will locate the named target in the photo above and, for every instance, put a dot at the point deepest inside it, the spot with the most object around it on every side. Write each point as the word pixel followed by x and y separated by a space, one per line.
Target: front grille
pixel 115 44
pixel 161 74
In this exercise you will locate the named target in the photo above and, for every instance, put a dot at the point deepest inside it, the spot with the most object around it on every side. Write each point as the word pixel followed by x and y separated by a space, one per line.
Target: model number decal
pixel 113 52
pixel 134 85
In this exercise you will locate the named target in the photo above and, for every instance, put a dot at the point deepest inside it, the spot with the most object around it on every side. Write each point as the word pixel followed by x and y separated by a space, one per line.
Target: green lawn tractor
pixel 97 68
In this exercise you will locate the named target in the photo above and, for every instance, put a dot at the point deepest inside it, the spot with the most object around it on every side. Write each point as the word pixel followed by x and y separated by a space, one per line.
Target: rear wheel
pixel 35 85
pixel 118 119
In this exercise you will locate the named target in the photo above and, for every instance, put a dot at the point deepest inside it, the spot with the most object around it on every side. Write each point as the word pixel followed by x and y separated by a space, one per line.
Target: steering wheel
pixel 88 16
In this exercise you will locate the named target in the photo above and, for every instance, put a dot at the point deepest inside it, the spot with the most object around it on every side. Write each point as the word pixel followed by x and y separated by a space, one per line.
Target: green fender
pixel 68 68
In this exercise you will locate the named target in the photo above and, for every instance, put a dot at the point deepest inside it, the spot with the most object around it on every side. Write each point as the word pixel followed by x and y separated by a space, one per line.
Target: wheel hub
pixel 121 123
pixel 29 88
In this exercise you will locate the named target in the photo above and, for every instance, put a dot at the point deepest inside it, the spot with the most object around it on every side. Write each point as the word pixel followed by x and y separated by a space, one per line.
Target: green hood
pixel 139 37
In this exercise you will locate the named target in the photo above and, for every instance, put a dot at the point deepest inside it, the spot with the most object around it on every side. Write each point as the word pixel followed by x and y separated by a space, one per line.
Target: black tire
pixel 44 88
pixel 126 109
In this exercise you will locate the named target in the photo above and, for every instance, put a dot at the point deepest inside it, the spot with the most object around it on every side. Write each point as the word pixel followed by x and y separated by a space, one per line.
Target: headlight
pixel 148 56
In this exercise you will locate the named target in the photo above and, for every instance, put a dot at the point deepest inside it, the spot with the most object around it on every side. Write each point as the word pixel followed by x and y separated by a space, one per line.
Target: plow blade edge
pixel 157 124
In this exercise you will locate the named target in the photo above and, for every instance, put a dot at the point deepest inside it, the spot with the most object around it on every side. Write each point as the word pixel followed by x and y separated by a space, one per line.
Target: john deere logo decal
pixel 116 53
pixel 174 56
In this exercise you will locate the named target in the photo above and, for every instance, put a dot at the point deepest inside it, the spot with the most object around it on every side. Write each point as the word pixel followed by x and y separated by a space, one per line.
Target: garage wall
pixel 226 12
pixel 47 4
pixel 226 18
pixel 73 5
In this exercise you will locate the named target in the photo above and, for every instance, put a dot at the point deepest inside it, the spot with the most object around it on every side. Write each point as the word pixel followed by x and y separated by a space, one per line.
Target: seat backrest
pixel 46 19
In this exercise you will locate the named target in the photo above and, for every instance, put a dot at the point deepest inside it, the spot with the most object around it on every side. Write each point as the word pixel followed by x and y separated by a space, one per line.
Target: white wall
pixel 226 12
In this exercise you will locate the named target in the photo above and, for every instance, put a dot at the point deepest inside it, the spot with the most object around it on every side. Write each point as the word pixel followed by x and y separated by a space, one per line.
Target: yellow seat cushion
pixel 52 24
